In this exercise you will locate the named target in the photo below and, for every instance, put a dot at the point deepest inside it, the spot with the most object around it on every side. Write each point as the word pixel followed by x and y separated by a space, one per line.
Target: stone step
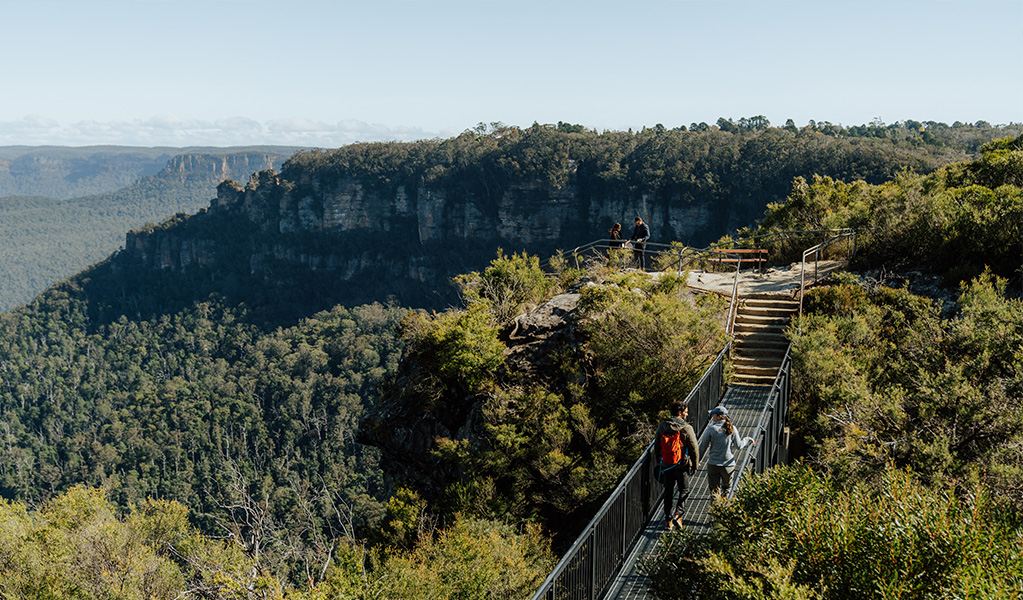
pixel 764 301
pixel 767 311
pixel 740 362
pixel 760 344
pixel 752 380
pixel 767 320
pixel 759 353
pixel 761 340
pixel 741 369
pixel 758 328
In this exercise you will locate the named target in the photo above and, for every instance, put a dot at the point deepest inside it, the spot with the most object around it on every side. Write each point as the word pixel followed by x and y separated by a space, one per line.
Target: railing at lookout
pixel 816 252
pixel 679 257
pixel 597 555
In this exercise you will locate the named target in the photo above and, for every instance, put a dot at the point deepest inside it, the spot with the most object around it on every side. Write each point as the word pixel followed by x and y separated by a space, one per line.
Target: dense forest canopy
pixel 200 407
pixel 224 452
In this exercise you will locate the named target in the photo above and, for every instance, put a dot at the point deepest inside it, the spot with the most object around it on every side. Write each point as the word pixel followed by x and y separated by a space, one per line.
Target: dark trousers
pixel 638 254
pixel 674 477
pixel 719 479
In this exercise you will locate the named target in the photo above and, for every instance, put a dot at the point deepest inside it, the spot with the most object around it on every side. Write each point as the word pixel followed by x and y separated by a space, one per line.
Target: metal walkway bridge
pixel 603 561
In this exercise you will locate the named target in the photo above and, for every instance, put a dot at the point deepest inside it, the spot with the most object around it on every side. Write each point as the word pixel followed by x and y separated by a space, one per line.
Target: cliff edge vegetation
pixel 537 415
pixel 907 405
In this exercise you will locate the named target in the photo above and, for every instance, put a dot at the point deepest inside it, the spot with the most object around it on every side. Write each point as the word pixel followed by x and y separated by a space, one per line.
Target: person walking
pixel 639 237
pixel 677 455
pixel 719 444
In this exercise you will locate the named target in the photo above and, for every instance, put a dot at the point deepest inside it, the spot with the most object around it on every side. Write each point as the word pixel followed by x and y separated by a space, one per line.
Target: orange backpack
pixel 671 447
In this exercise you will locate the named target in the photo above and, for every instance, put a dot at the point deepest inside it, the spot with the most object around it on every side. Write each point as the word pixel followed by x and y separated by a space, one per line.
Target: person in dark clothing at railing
pixel 677 455
pixel 615 236
pixel 614 244
pixel 639 237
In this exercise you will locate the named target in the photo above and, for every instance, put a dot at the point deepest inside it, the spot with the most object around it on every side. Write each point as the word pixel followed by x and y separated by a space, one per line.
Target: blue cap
pixel 719 410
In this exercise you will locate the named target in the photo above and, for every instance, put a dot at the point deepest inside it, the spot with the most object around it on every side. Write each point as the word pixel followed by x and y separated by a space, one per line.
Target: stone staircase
pixel 759 345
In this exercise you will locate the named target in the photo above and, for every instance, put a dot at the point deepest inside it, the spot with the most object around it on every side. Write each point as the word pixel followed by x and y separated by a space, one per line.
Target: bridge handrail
pixel 769 430
pixel 584 580
pixel 733 305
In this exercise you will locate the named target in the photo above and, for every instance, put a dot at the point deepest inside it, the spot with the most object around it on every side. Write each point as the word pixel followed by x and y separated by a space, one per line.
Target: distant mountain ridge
pixel 45 238
pixel 74 172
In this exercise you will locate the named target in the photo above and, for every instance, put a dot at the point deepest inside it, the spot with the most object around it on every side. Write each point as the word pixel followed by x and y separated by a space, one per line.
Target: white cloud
pixel 170 130
pixel 30 128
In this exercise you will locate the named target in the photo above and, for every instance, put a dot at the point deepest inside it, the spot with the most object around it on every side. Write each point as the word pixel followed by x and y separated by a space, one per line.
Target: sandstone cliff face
pixel 209 168
pixel 526 215
pixel 414 235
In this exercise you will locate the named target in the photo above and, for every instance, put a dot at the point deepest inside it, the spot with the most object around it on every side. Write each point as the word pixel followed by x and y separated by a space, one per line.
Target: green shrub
pixel 793 533
pixel 655 345
pixel 461 346
pixel 474 559
pixel 76 546
pixel 884 378
pixel 509 285
pixel 958 221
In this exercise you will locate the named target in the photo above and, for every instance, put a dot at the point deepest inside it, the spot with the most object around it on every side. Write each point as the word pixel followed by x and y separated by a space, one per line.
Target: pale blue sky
pixel 326 73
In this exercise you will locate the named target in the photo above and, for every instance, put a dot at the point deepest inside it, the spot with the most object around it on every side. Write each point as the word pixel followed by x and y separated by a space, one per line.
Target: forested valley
pixel 63 209
pixel 379 450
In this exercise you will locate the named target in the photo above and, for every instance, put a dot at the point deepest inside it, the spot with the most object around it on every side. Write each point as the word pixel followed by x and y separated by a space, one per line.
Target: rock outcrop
pixel 409 420
pixel 417 236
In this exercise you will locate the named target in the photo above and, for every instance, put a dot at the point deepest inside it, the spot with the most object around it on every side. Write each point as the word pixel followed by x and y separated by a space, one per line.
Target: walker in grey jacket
pixel 719 449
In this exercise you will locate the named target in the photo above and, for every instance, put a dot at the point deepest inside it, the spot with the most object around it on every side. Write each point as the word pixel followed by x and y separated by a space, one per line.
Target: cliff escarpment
pixel 76 172
pixel 400 240
pixel 372 221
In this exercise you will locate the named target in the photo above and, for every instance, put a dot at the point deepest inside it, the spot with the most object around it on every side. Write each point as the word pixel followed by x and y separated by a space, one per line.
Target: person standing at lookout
pixel 677 455
pixel 615 237
pixel 719 443
pixel 639 237
pixel 614 242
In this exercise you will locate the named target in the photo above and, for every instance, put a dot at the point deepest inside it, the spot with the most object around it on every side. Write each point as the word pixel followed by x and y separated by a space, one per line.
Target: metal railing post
pixel 593 564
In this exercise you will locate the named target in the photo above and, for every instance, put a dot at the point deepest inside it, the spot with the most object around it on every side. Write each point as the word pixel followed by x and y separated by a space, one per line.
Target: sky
pixel 329 73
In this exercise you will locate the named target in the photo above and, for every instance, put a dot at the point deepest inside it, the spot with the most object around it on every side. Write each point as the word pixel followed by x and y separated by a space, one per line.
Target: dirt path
pixel 773 282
